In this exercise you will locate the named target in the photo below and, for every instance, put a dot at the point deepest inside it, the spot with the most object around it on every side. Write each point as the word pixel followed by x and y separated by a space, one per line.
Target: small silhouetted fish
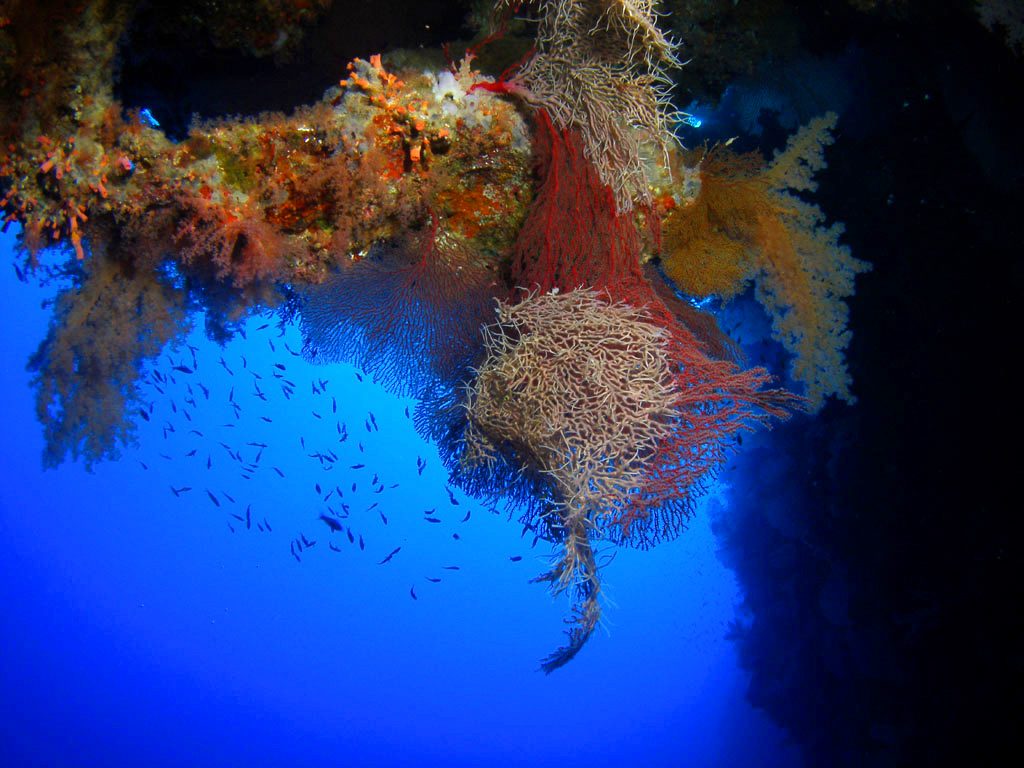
pixel 279 471
pixel 213 498
pixel 268 525
pixel 143 414
pixel 332 545
pixel 412 593
pixel 607 559
pixel 179 491
pixel 516 558
pixel 456 536
pixel 334 405
pixel 239 518
pixel 407 411
pixel 361 544
pixel 357 466
pixel 192 452
pixel 318 491
pixel 331 523
pixel 466 518
pixel 432 519
pixel 435 581
pixel 384 518
pixel 209 462
pixel 306 541
pixel 248 516
pixel 451 567
pixel 144 465
pixel 358 376
pixel 351 537
pixel 183 368
pixel 267 419
pixel 228 497
pixel 391 554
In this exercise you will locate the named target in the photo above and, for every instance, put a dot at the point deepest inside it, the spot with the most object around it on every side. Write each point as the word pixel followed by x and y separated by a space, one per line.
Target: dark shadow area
pixel 883 588
pixel 177 70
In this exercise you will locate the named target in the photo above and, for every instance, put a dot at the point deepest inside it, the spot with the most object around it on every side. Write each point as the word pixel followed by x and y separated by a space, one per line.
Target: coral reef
pixel 392 214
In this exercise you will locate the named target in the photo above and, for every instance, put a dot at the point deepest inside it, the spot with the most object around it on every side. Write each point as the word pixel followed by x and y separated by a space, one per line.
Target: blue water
pixel 141 628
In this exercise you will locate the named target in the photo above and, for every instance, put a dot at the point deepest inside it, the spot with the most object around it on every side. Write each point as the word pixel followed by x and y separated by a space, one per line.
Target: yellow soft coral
pixel 747 223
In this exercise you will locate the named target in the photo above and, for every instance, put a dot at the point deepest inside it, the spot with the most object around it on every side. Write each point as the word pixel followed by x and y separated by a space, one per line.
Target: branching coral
pixel 582 391
pixel 748 223
pixel 599 69
pixel 624 416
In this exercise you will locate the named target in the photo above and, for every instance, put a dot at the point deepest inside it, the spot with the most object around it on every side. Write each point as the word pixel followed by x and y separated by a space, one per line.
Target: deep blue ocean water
pixel 144 628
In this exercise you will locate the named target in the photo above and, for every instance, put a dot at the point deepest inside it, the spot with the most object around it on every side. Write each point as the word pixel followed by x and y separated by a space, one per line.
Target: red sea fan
pixel 409 313
pixel 573 235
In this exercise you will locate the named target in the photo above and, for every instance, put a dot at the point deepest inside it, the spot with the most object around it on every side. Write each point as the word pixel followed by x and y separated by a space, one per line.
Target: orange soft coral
pixel 747 223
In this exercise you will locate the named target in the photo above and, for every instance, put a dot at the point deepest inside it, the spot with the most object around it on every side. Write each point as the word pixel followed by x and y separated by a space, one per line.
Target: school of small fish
pixel 336 469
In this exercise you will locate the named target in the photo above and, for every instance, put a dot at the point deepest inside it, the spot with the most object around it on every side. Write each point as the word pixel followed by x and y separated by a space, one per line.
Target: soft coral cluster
pixel 748 223
pixel 105 325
